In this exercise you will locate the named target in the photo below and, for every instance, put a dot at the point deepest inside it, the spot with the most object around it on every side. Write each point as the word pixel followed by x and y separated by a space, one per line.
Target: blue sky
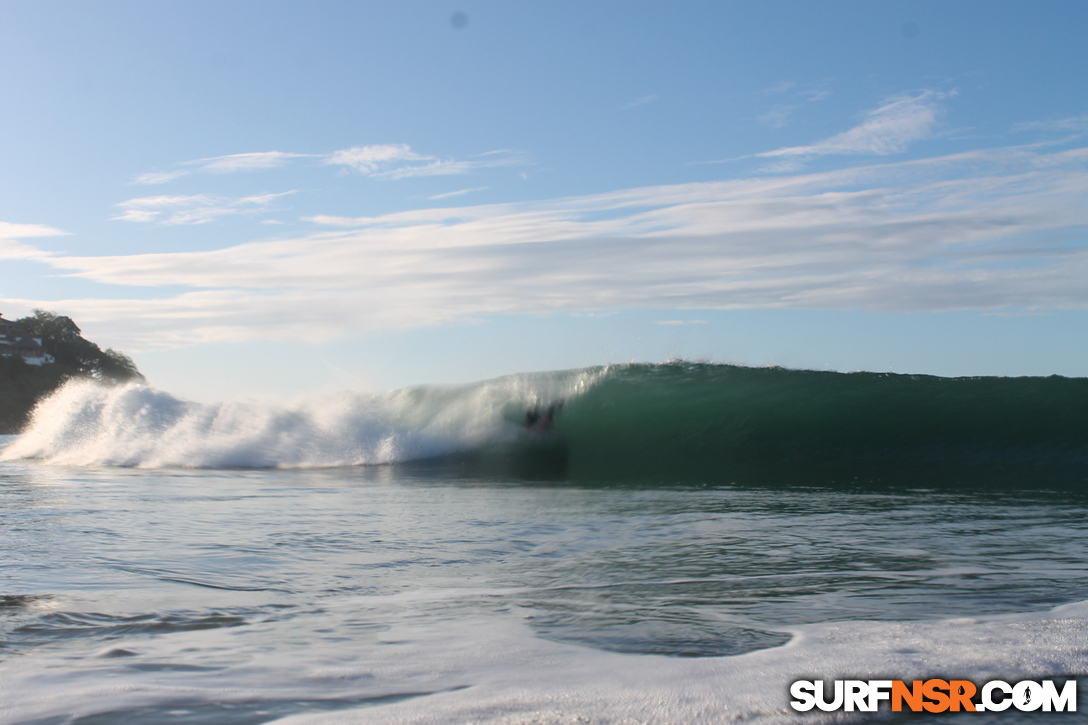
pixel 275 198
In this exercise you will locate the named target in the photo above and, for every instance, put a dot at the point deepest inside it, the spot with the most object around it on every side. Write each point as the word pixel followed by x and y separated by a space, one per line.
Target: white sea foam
pixel 525 682
pixel 85 423
pixel 495 671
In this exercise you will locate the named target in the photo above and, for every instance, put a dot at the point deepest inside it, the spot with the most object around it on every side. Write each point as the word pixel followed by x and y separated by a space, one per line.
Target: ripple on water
pixel 64 625
pixel 654 633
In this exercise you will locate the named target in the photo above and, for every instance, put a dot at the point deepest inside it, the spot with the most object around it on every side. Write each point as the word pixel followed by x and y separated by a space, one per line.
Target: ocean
pixel 677 544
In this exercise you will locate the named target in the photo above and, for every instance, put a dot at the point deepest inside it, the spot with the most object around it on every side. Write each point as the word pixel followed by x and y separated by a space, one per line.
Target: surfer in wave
pixel 541 421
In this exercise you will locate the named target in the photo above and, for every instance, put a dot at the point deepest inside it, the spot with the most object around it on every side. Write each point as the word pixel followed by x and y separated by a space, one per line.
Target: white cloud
pixel 783 111
pixel 1001 230
pixel 778 116
pixel 24 231
pixel 137 215
pixel 371 159
pixel 398 161
pixel 777 88
pixel 459 192
pixel 245 162
pixel 886 130
pixel 641 101
pixel 12 249
pixel 159 177
pixel 1075 124
pixel 233 163
pixel 383 161
pixel 438 167
pixel 192 209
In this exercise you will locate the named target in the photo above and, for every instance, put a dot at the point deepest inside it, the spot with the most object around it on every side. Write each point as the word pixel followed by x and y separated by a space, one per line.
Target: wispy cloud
pixel 26 231
pixel 888 129
pixel 1074 124
pixel 192 209
pixel 459 192
pixel 778 116
pixel 640 101
pixel 159 177
pixel 796 99
pixel 999 230
pixel 373 159
pixel 382 161
pixel 777 88
pixel 233 163
pixel 246 162
pixel 399 161
pixel 10 246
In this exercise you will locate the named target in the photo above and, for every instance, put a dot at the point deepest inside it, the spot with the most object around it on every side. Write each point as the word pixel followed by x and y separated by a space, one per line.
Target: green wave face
pixel 722 424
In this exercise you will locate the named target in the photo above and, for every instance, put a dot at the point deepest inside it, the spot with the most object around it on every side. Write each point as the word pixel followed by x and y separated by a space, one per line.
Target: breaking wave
pixel 667 422
pixel 85 423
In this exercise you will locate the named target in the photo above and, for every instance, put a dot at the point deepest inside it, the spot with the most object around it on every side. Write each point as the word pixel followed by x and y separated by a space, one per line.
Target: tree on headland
pixel 23 385
pixel 63 339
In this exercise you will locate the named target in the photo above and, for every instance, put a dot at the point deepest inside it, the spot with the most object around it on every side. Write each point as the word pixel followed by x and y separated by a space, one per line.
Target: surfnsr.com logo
pixel 935 696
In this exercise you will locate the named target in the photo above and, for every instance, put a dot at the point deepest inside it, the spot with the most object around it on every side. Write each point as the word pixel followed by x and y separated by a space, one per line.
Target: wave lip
pixel 86 424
